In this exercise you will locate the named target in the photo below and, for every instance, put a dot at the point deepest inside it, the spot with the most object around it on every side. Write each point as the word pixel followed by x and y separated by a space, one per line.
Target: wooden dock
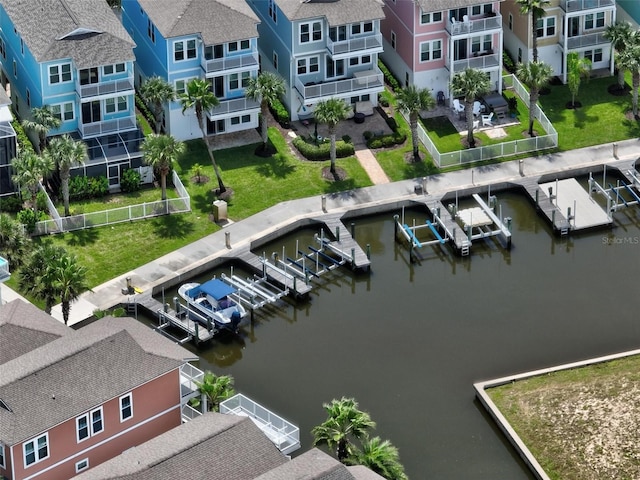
pixel 545 206
pixel 569 196
pixel 282 278
pixel 448 223
pixel 346 245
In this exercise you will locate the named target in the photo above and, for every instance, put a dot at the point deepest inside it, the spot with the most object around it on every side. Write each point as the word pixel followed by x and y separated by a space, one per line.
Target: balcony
pixel 233 64
pixel 474 26
pixel 189 378
pixel 481 62
pixel 570 6
pixel 4 270
pixel 117 87
pixel 368 79
pixel 97 129
pixel 284 435
pixel 369 44
pixel 585 40
pixel 235 105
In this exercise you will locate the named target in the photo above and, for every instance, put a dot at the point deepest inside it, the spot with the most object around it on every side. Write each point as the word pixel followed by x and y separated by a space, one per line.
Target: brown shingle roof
pixel 340 12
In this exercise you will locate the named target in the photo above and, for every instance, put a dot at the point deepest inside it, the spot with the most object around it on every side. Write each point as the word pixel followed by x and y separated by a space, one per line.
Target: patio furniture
pixel 497 103
pixel 476 124
pixel 486 120
pixel 458 107
pixel 441 100
pixel 477 108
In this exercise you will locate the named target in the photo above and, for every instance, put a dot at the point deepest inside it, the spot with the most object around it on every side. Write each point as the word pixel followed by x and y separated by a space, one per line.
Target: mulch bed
pixel 339 176
pixel 199 179
pixel 573 106
pixel 618 91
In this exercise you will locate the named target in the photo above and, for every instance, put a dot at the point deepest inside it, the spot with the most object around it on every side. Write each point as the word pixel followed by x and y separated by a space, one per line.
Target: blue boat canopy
pixel 215 288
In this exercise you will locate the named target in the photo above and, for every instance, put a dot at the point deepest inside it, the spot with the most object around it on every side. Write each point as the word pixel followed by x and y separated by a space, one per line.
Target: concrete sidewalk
pixel 280 219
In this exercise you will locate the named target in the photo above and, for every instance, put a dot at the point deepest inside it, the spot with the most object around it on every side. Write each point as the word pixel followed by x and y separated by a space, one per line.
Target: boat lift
pixel 254 292
pixel 613 194
pixel 409 233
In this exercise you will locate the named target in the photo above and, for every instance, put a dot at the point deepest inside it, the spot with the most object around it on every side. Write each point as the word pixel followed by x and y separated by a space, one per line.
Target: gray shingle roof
pixel 211 447
pixel 217 21
pixel 340 12
pixel 360 472
pixel 311 465
pixel 439 5
pixel 78 371
pixel 43 24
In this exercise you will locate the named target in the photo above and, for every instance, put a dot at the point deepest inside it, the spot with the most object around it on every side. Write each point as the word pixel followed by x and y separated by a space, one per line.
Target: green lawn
pixel 147 194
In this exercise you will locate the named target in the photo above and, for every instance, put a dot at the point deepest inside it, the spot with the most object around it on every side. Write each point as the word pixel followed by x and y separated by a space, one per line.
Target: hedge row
pixel 311 151
pixel 389 78
pixel 24 142
pixel 144 110
pixel 388 140
pixel 279 112
pixel 508 63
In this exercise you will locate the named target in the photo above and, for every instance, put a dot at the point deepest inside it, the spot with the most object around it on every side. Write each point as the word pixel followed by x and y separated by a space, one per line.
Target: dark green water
pixel 408 341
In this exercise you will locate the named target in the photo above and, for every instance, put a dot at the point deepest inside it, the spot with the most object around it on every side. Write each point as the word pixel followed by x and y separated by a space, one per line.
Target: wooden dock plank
pixel 545 206
pixel 347 243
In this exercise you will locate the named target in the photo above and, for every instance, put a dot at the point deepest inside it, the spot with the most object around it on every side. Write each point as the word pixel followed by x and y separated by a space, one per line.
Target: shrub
pixel 10 203
pixel 389 78
pixel 508 62
pixel 81 187
pixel 390 140
pixel 368 134
pixel 130 181
pixel 24 142
pixel 144 109
pixel 513 104
pixel 28 218
pixel 98 186
pixel 322 151
pixel 280 113
pixel 346 138
pixel 393 125
pixel 41 200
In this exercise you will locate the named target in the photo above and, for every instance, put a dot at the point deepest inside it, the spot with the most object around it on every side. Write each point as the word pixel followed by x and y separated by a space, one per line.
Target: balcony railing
pixel 372 43
pixel 96 129
pixel 474 26
pixel 361 81
pixel 189 378
pixel 579 5
pixel 189 413
pixel 585 40
pixel 122 86
pixel 234 105
pixel 237 62
pixel 481 62
pixel 4 270
pixel 282 433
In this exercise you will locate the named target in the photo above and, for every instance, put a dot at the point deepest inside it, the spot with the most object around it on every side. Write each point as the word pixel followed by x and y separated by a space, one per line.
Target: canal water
pixel 409 340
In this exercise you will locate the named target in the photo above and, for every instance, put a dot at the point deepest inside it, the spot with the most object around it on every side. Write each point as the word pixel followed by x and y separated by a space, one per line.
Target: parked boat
pixel 214 299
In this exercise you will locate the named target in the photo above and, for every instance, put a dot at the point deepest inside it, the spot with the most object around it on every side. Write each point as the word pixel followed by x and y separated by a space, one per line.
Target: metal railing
pixel 481 62
pixel 577 5
pixel 117 215
pixel 105 88
pixel 236 62
pixel 189 413
pixel 475 25
pixel 233 105
pixel 359 44
pixel 585 40
pixel 97 129
pixel 340 87
pixel 504 149
pixel 4 269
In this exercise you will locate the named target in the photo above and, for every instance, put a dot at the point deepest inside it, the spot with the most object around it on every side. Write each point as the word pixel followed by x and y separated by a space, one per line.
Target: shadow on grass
pixel 172 226
pixel 341 187
pixel 276 166
pixel 202 203
pixel 81 238
pixel 419 169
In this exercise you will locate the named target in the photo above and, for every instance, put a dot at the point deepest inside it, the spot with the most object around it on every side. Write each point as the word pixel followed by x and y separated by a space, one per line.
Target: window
pixel 302 66
pixel 354 61
pixel 96 415
pixel 245 77
pixel 310 32
pixel 275 60
pixel 546 27
pixel 246 118
pixel 180 47
pixel 181 86
pixel 431 50
pixel 107 70
pixel 233 81
pixel 314 64
pixel 151 31
pixel 3 49
pixel 233 46
pixel 36 450
pixel 2 464
pixel 126 407
pixel 272 11
pixel 82 428
pixel 118 104
pixel 519 55
pixel 15 69
pixel 358 28
pixel 365 59
pixel 245 45
pixel 511 22
pixel 430 17
pixel 593 55
pixel 594 21
pixel 82 465
pixel 59 73
pixel 235 120
pixel 393 39
pixel 28 98
pixel 22 46
pixel 338 34
pixel 120 67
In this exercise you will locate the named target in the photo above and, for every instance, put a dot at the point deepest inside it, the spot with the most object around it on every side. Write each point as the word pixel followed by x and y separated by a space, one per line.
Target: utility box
pixel 219 211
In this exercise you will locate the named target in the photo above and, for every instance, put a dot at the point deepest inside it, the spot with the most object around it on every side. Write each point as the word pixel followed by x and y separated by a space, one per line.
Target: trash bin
pixel 219 211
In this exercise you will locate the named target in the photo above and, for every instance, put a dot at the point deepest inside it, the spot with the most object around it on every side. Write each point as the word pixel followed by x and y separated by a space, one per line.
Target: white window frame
pixel 82 465
pixel 310 32
pixel 242 44
pixel 595 19
pixel 429 48
pixel 59 75
pixel 547 23
pixel 130 407
pixel 185 49
pixel 307 64
pixel 180 89
pixel 2 462
pixel 272 11
pixel 365 59
pixel 36 450
pixel 116 104
pixel 360 26
pixel 427 18
pixel 234 81
pixel 91 421
pixel 592 54
pixel 84 417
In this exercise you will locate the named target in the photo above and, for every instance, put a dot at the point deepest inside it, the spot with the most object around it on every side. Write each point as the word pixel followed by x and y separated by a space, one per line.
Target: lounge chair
pixel 486 120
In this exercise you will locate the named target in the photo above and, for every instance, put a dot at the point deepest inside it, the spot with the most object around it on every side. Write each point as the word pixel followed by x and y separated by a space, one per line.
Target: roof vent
pixel 5 406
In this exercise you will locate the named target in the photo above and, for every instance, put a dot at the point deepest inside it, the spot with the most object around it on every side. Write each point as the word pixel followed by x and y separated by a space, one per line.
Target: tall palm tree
pixel 14 244
pixel 161 152
pixel 535 75
pixel 43 121
pixel 31 278
pixel 470 83
pixel 331 112
pixel 29 169
pixel 577 69
pixel 266 88
pixel 620 34
pixel 344 422
pixel 412 100
pixel 68 279
pixel 156 91
pixel 629 59
pixel 213 390
pixel 65 152
pixel 380 457
pixel 198 95
pixel 536 9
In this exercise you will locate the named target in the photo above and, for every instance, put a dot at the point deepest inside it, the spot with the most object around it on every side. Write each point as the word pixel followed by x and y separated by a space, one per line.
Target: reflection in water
pixel 408 340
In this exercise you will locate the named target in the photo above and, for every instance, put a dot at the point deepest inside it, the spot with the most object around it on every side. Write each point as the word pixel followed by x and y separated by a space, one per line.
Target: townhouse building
pixel 426 42
pixel 72 399
pixel 567 26
pixel 8 144
pixel 322 49
pixel 209 39
pixel 75 57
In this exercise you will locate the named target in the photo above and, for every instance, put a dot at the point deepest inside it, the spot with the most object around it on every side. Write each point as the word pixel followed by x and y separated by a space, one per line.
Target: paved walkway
pixel 177 266
pixel 368 161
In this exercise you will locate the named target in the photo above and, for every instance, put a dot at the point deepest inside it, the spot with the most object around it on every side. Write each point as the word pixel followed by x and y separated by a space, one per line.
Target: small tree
pixel 156 91
pixel 14 244
pixel 43 121
pixel 331 112
pixel 266 88
pixel 620 35
pixel 412 100
pixel 577 69
pixel 65 152
pixel 197 172
pixel 379 456
pixel 535 75
pixel 67 279
pixel 32 274
pixel 213 390
pixel 470 83
pixel 161 152
pixel 29 169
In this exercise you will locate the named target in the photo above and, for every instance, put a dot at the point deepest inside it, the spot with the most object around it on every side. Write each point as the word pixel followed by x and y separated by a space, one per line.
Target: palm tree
pixel 344 422
pixel 198 95
pixel 14 244
pixel 380 457
pixel 67 279
pixel 31 278
pixel 535 75
pixel 266 88
pixel 577 69
pixel 535 8
pixel 161 152
pixel 43 121
pixel 331 112
pixel 470 83
pixel 213 390
pixel 620 34
pixel 412 100
pixel 156 91
pixel 629 59
pixel 29 169
pixel 65 152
